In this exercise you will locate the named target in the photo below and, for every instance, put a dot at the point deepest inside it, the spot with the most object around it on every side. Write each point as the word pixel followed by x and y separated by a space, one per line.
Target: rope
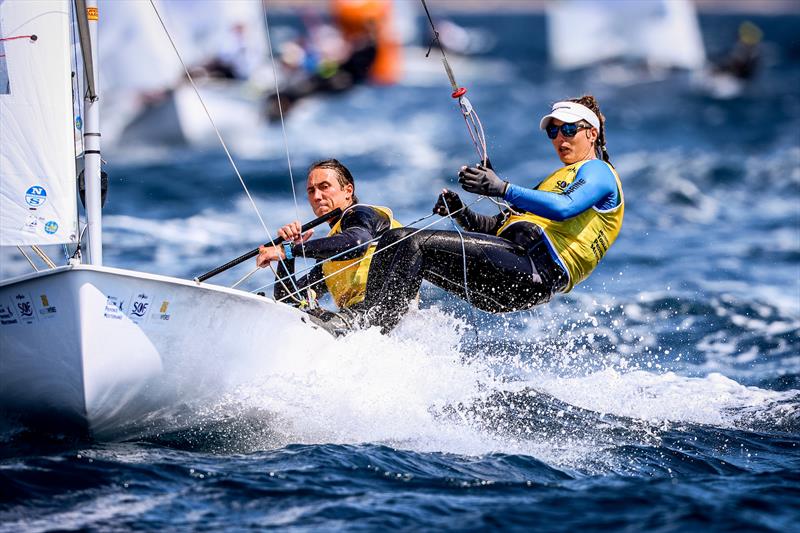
pixel 41 253
pixel 378 251
pixel 283 124
pixel 25 255
pixel 31 37
pixel 332 258
pixel 213 124
pixel 245 278
pixel 464 259
pixel 76 102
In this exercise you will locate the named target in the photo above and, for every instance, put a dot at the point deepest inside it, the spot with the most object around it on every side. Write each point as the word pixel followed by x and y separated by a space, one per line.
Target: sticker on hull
pixel 7 315
pixel 139 307
pixel 164 314
pixel 45 308
pixel 23 308
pixel 114 308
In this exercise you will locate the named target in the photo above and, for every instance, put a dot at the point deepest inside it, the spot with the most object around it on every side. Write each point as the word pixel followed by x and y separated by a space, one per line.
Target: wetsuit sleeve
pixel 594 185
pixel 360 225
pixel 472 221
pixel 281 289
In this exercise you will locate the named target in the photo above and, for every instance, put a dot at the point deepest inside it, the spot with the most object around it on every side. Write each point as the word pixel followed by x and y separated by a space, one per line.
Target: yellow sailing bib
pixel 347 280
pixel 581 241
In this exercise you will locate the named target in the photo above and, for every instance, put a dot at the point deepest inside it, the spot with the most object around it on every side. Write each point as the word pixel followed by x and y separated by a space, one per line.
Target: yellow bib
pixel 581 241
pixel 347 280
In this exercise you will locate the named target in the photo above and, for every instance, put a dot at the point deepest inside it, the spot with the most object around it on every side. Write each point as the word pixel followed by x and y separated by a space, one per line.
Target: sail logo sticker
pixel 46 310
pixel 31 223
pixel 139 307
pixel 36 196
pixel 50 227
pixel 7 315
pixel 24 308
pixel 114 308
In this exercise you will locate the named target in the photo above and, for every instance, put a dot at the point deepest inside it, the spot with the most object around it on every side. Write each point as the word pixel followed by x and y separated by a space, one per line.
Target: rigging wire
pixel 213 124
pixel 377 251
pixel 76 103
pixel 471 118
pixel 464 259
pixel 336 256
pixel 283 124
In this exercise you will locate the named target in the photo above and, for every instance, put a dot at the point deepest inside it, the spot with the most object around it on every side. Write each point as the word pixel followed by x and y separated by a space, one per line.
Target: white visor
pixel 570 112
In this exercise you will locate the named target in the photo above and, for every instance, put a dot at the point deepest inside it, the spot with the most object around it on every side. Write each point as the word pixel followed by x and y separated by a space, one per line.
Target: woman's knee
pixel 394 235
pixel 406 239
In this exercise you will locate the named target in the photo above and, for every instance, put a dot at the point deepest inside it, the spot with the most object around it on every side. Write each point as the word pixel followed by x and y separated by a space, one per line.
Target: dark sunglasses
pixel 567 130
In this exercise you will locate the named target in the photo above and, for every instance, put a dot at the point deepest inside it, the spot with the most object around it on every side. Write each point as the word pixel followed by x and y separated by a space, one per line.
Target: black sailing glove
pixel 448 200
pixel 482 180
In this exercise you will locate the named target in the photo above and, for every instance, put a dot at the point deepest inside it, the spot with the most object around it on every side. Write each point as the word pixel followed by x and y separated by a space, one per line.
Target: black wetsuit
pixel 360 225
pixel 508 273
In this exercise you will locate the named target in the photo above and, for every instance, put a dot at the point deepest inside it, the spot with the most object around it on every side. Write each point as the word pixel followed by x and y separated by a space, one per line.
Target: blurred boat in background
pixel 629 42
pixel 146 97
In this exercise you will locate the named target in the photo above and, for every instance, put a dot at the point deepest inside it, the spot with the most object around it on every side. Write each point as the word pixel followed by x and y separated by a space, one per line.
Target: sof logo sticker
pixel 36 196
pixel 7 315
pixel 46 310
pixel 164 313
pixel 24 308
pixel 50 227
pixel 139 307
pixel 114 308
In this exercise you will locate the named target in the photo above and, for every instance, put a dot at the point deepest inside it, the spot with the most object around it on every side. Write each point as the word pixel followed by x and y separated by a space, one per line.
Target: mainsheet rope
pixel 213 125
pixel 367 244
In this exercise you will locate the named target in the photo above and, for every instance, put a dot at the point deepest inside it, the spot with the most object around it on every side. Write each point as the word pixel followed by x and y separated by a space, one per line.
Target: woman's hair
pixel 343 175
pixel 600 144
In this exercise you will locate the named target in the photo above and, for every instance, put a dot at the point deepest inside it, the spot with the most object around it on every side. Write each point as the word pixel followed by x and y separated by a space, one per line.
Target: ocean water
pixel 662 394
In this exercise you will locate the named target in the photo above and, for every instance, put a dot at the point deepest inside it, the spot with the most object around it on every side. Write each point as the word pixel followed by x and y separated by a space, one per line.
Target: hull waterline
pixel 85 348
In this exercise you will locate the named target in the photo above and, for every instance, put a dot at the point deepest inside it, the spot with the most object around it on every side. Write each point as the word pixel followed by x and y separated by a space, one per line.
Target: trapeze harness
pixel 346 277
pixel 514 260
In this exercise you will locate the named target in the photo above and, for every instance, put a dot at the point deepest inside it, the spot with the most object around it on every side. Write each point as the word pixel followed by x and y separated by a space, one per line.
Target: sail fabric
pixel 661 33
pixel 135 53
pixel 38 203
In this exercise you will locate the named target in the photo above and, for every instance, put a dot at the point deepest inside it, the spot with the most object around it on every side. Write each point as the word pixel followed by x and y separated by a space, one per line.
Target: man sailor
pixel 352 239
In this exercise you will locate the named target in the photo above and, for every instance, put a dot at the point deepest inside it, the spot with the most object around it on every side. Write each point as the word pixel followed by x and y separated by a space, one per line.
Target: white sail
pixel 38 203
pixel 232 32
pixel 661 33
pixel 136 53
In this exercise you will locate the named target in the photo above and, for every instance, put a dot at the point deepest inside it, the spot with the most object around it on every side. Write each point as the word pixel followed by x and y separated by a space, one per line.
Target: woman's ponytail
pixel 600 144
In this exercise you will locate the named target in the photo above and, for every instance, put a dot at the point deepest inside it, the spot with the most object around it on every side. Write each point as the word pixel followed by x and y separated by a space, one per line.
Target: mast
pixel 87 15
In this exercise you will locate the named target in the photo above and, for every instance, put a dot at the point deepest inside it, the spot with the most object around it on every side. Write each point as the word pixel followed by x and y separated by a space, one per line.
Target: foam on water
pixel 416 390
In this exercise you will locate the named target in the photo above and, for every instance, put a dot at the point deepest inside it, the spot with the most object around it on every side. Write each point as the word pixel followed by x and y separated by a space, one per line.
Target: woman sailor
pixel 551 238
pixel 330 185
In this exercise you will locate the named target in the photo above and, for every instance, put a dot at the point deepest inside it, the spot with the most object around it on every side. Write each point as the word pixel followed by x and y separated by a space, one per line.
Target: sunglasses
pixel 567 130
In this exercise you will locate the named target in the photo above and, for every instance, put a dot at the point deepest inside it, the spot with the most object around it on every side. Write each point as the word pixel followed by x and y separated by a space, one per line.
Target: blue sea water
pixel 663 394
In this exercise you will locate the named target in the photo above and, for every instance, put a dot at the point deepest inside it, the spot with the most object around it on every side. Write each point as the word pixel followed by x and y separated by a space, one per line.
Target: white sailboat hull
pixel 99 349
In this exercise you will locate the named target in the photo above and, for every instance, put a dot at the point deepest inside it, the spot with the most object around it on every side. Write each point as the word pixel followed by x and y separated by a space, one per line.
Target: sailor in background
pixel 361 48
pixel 552 237
pixel 330 185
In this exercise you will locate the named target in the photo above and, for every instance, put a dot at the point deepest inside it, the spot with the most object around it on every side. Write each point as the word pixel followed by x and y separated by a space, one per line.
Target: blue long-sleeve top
pixel 593 186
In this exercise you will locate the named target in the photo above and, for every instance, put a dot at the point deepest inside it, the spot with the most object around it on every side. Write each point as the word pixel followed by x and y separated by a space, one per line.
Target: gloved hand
pixel 447 200
pixel 482 180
